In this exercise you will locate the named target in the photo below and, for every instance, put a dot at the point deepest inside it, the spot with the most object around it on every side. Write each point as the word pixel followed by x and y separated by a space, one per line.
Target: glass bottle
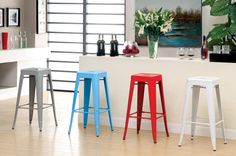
pixel 116 46
pixel 100 46
pixel 113 46
pixel 103 45
pixel 11 41
pixel 24 40
pixel 204 50
pixel 19 40
pixel 16 42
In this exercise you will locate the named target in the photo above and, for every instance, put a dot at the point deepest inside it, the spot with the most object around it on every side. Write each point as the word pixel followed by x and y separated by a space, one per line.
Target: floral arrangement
pixel 153 22
pixel 220 31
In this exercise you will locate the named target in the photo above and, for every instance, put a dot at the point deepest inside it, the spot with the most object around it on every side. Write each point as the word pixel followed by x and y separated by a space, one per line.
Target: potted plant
pixel 220 31
pixel 153 24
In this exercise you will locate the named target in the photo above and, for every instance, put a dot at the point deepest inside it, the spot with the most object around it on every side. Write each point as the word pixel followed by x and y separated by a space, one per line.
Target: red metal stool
pixel 151 80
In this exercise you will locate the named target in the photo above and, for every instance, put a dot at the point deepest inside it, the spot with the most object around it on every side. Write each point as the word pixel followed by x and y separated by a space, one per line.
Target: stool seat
pixel 35 83
pixel 35 71
pixel 151 80
pixel 194 84
pixel 91 74
pixel 144 77
pixel 203 80
pixel 91 78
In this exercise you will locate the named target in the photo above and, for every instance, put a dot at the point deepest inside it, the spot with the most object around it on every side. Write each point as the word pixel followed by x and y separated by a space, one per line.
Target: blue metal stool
pixel 91 77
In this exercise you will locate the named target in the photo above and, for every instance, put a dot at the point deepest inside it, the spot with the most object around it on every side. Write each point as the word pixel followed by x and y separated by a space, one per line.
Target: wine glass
pixel 191 53
pixel 181 52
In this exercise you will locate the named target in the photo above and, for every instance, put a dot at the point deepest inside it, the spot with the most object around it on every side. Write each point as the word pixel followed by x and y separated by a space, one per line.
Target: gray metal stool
pixel 35 80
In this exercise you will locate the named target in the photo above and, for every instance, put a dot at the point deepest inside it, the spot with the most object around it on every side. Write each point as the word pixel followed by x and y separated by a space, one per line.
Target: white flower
pixel 141 30
pixel 166 27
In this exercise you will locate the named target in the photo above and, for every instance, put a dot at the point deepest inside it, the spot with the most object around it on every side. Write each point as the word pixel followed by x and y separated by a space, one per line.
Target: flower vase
pixel 153 46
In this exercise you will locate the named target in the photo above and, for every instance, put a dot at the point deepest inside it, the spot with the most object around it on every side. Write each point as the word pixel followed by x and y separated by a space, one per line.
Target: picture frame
pixel 2 17
pixel 187 24
pixel 13 17
pixel 41 16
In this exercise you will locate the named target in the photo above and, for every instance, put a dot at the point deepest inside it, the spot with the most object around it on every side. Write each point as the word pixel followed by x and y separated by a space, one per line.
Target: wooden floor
pixel 26 140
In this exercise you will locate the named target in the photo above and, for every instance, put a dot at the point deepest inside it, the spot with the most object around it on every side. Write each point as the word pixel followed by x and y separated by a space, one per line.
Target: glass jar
pixel 130 48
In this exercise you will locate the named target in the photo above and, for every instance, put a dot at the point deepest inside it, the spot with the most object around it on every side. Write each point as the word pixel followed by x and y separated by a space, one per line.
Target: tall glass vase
pixel 153 46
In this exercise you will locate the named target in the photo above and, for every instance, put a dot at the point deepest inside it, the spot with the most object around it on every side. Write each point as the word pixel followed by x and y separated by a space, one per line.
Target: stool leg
pixel 96 95
pixel 128 108
pixel 108 102
pixel 141 87
pixel 152 102
pixel 39 88
pixel 163 106
pixel 185 111
pixel 74 101
pixel 195 100
pixel 221 113
pixel 87 88
pixel 18 99
pixel 52 97
pixel 31 96
pixel 211 113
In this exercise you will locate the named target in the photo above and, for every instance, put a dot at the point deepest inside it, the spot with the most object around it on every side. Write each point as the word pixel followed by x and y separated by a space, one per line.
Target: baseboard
pixel 173 127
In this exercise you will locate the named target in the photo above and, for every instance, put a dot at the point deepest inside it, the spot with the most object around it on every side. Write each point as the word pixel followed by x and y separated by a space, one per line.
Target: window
pixel 73 27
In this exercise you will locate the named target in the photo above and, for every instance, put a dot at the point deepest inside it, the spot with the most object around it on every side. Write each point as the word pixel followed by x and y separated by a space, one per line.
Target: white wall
pixel 27 22
pixel 13 4
pixel 207 22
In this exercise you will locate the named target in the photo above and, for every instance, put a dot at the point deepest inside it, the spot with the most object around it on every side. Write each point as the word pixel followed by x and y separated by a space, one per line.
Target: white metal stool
pixel 35 83
pixel 193 87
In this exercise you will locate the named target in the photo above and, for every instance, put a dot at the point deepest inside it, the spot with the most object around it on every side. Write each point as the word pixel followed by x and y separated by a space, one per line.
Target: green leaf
pixel 220 31
pixel 220 8
pixel 232 13
pixel 208 2
pixel 211 43
pixel 232 28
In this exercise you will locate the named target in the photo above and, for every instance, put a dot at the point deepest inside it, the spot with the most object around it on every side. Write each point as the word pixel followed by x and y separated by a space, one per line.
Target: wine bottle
pixel 112 46
pixel 100 46
pixel 204 50
pixel 116 46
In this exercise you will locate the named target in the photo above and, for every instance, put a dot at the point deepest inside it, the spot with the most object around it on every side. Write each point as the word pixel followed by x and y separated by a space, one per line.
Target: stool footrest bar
pixel 26 106
pixel 146 113
pixel 81 110
pixel 141 117
pixel 202 123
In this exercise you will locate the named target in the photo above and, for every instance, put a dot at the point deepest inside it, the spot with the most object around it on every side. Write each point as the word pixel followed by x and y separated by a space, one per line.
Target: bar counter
pixel 175 73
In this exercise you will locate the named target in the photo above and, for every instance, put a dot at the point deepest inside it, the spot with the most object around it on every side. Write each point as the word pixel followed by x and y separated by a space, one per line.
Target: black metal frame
pixel 84 34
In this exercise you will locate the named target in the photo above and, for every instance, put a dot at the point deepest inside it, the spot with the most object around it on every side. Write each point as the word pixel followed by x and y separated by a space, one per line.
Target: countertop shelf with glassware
pixel 14 55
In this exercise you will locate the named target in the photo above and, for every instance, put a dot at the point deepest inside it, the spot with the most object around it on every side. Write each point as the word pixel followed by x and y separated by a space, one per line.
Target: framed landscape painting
pixel 187 25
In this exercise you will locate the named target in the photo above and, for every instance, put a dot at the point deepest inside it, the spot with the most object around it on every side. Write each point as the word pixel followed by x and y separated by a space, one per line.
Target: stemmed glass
pixel 181 52
pixel 191 53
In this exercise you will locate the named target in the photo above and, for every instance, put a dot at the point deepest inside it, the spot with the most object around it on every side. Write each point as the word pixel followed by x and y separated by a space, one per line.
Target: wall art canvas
pixel 186 28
